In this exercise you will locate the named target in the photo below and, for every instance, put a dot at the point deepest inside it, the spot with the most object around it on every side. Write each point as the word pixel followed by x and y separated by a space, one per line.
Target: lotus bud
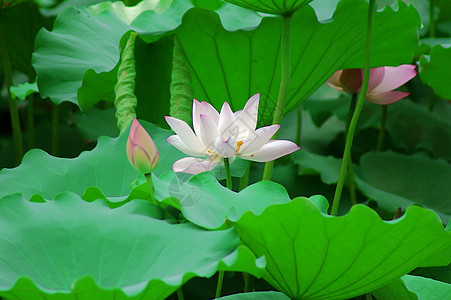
pixel 141 150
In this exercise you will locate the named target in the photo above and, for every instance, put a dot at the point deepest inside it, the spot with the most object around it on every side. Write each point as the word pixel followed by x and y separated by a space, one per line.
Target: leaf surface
pixel 315 256
pixel 67 248
pixel 233 66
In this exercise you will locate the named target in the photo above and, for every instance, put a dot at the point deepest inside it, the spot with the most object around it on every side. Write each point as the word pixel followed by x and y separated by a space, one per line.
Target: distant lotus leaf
pixel 311 255
pixel 277 7
pixel 24 90
pixel 436 67
pixel 67 248
pixel 270 295
pixel 427 288
pixel 105 167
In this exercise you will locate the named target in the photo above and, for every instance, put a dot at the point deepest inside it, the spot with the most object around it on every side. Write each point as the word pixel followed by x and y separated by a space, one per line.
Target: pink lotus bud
pixel 382 82
pixel 141 150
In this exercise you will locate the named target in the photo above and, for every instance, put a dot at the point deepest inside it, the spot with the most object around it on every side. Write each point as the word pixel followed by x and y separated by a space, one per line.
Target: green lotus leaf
pixel 81 42
pixel 426 288
pixel 277 7
pixel 256 296
pixel 418 179
pixel 396 290
pixel 311 255
pixel 246 62
pixel 66 248
pixel 328 167
pixel 84 47
pixel 404 120
pixel 436 67
pixel 105 167
pixel 205 202
pixel 24 90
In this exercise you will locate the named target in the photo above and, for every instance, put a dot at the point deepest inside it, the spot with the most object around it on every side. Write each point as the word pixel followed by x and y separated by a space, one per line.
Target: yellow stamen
pixel 238 145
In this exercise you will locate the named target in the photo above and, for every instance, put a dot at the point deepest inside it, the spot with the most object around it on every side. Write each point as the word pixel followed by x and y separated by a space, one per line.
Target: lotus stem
pixel 351 184
pixel 180 294
pixel 55 129
pixel 30 121
pixel 13 110
pixel 228 173
pixel 244 181
pixel 432 97
pixel 299 126
pixel 219 285
pixel 285 76
pixel 381 136
pixel 358 109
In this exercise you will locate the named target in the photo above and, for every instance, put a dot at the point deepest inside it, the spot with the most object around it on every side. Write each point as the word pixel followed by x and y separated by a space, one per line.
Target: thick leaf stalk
pixel 285 77
pixel 181 89
pixel 355 117
pixel 126 101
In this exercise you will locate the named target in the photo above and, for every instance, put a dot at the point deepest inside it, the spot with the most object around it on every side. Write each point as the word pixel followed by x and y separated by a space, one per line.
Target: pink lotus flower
pixel 141 150
pixel 224 135
pixel 383 81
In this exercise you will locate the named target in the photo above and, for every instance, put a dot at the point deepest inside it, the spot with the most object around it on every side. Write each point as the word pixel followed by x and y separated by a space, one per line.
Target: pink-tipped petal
pixel 186 134
pixel 386 98
pixel 197 111
pixel 177 142
pixel 376 77
pixel 130 142
pixel 192 165
pixel 227 124
pixel 394 77
pixel 258 138
pixel 210 111
pixel 208 131
pixel 142 138
pixel 271 151
pixel 247 118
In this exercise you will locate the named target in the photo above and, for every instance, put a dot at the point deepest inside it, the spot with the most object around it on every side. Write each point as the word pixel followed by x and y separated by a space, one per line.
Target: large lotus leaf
pixel 392 180
pixel 426 288
pixel 105 167
pixel 435 68
pixel 84 47
pixel 419 179
pixel 205 202
pixel 81 42
pixel 311 255
pixel 277 7
pixel 257 296
pixel 67 248
pixel 243 63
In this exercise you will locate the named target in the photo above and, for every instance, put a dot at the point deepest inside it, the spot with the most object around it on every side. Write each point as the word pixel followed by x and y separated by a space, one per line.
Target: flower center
pixel 238 145
pixel 226 148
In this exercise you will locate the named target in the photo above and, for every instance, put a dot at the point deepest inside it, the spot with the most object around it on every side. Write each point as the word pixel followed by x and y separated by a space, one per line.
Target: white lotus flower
pixel 224 135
